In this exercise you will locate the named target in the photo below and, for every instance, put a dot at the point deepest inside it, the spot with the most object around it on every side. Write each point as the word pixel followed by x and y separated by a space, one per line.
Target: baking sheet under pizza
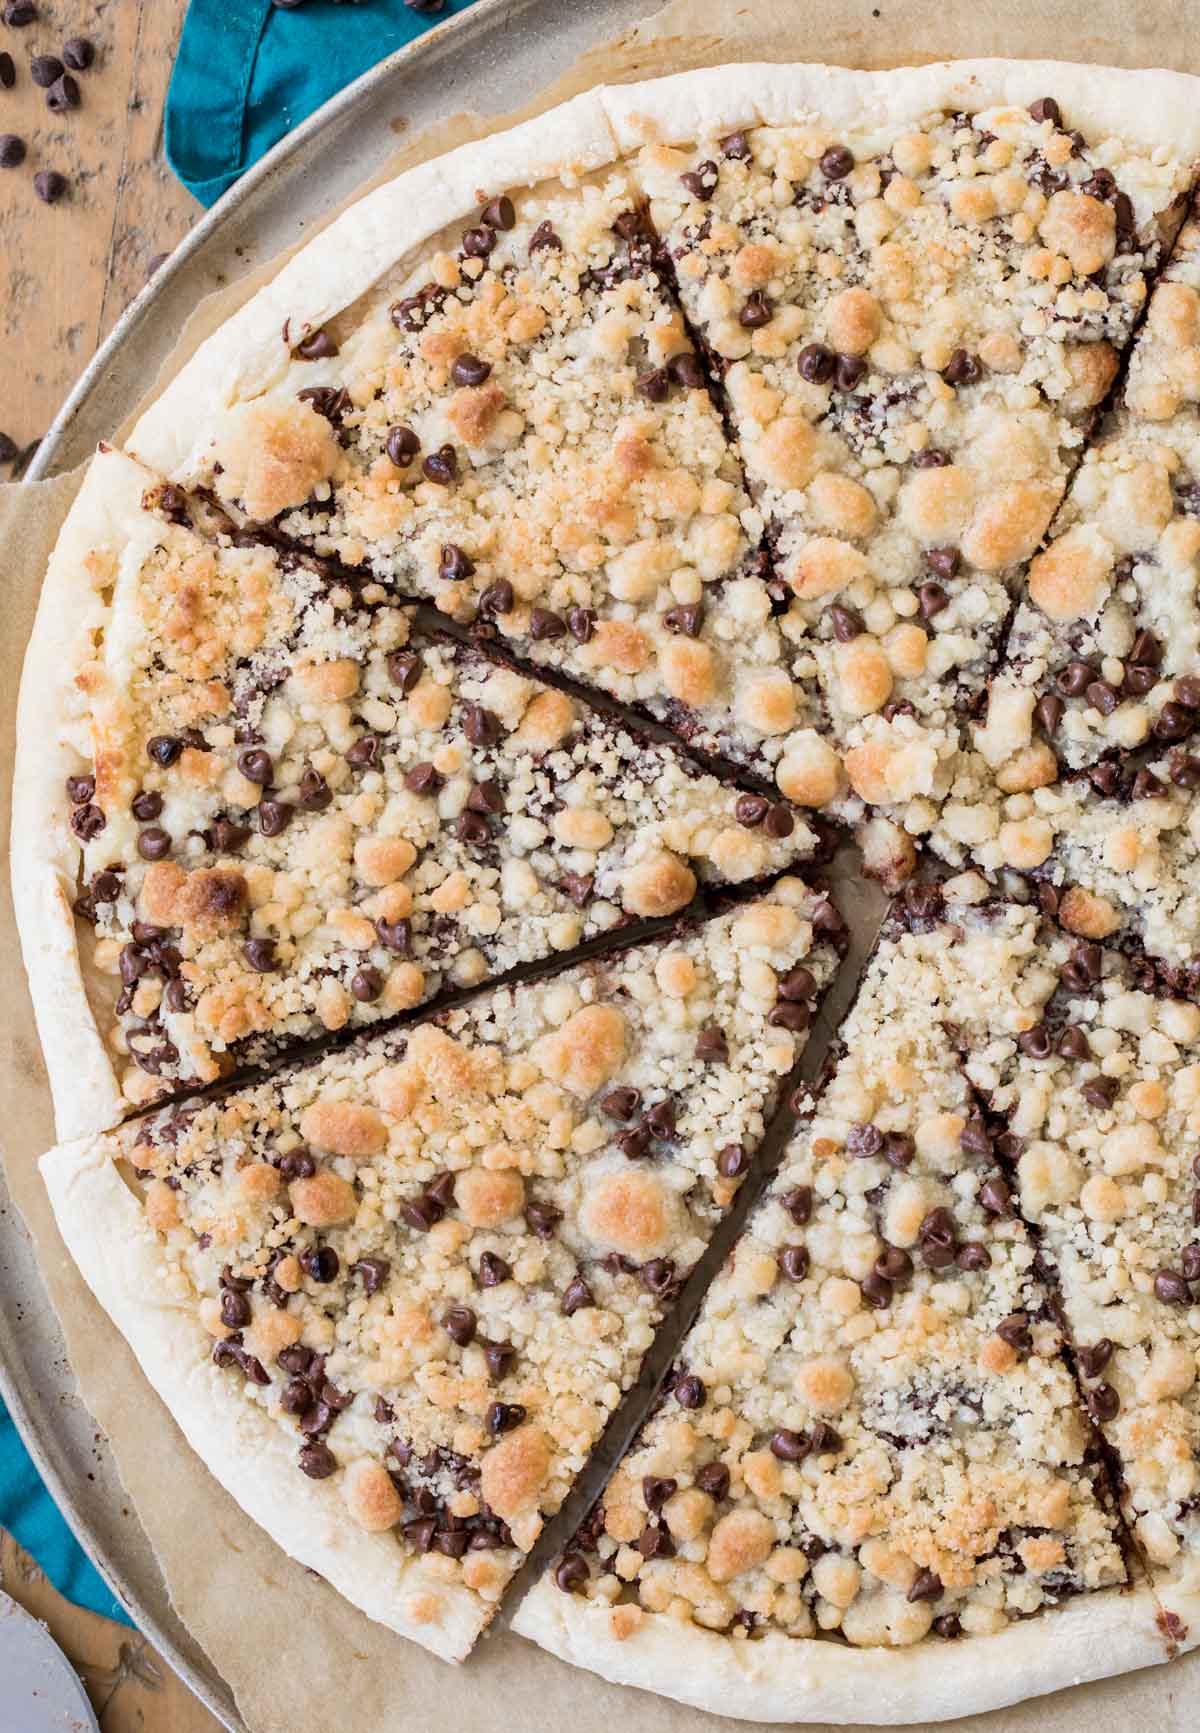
pixel 281 1638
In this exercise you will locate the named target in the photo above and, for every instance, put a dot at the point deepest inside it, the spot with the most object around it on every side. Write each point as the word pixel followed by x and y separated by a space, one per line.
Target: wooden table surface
pixel 68 270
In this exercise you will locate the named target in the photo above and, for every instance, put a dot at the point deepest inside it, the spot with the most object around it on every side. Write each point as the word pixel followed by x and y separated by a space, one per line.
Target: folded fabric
pixel 248 71
pixel 30 1515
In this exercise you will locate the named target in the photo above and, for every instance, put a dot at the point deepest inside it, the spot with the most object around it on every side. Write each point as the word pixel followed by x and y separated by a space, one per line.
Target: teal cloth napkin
pixel 248 71
pixel 29 1514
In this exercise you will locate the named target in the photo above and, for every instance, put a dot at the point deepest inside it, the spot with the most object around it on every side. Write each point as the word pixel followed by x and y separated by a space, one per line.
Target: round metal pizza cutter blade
pixel 42 1692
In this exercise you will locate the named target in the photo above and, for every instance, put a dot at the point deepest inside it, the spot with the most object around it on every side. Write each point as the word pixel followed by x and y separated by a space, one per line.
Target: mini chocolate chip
pixel 543 1218
pixel 441 465
pixel 473 829
pixel 469 370
pixel 146 805
pixel 1073 680
pixel 793 1263
pixel 498 1357
pixel 876 1290
pixel 655 1542
pixel 1103 697
pixel 780 822
pixel 850 369
pixel 255 765
pixel 460 1324
pixel 78 53
pixel 817 363
pixel 9 449
pixel 372 1272
pixel 931 600
pixel 63 94
pixel 1094 1358
pixel 503 1417
pixel 544 236
pixel 798 983
pixel 1037 1042
pixel 164 749
pixel 1173 722
pixel 974 1136
pixel 634 1143
pixel 789 1446
pixel 315 793
pixel 686 619
pixel 847 623
pixel 798 1203
pixel 736 146
pixel 153 843
pixel 660 1119
pixel 106 887
pixel 365 751
pixel 486 797
pixel 621 1103
pixel 894 1264
pixel 235 1309
pixel 823 1439
pixel 8 71
pixel 750 810
pixel 18 13
pixel 317 346
pixel 577 1296
pixel 792 1016
pixel 260 954
pixel 711 1046
pixel 1100 1092
pixel 1187 692
pixel 654 385
pixel 899 1149
pixel 995 1195
pixel 962 368
pixel 1048 713
pixel 498 598
pixel 1074 1044
pixel 1015 1331
pixel 581 623
pixel 297 1163
pixel 1189 1262
pixel 44 69
pixel 571 1572
pixel 421 1533
pixel 837 162
pixel 972 1256
pixel 477 243
pixel 296 1397
pixel 713 1479
pixel 756 312
pixel 1103 1403
pixel 926 1586
pixel 401 445
pixel 366 985
pixel 864 1140
pixel 689 1392
pixel 658 1275
pixel 493 1270
pixel 656 1490
pixel 1185 771
pixel 319 1462
pixel 938 1238
pixel 701 181
pixel 274 816
pixel 421 1213
pixel 321 1263
pixel 933 457
pixel 1139 679
pixel 732 1161
pixel 80 789
pixel 544 624
pixel 686 370
pixel 499 213
pixel 404 669
pixel 1172 1288
pixel 481 727
pixel 1105 778
pixel 1045 108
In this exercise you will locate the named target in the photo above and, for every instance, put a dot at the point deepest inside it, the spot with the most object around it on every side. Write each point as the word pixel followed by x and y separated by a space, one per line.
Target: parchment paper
pixel 294 1653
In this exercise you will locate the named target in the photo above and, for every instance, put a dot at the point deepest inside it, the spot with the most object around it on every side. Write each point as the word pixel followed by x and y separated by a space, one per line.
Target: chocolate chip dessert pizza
pixel 393 1296
pixel 449 716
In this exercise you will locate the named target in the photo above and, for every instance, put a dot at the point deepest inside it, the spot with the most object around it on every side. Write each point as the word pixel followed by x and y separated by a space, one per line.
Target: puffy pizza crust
pixel 119 1255
pixel 778 1678
pixel 385 229
pixel 51 730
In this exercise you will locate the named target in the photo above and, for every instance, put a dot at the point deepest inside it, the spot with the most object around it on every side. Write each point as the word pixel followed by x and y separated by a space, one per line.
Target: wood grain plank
pixel 130 1687
pixel 122 206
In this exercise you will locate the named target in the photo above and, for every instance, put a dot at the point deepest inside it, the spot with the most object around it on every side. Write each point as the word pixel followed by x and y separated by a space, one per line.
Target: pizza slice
pixel 870 1476
pixel 1100 1100
pixel 916 292
pixel 285 811
pixel 1107 638
pixel 393 1295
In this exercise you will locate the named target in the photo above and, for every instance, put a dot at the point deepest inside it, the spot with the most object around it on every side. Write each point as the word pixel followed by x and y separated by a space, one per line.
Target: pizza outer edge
pixel 780 1678
pixel 45 855
pixel 119 1255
